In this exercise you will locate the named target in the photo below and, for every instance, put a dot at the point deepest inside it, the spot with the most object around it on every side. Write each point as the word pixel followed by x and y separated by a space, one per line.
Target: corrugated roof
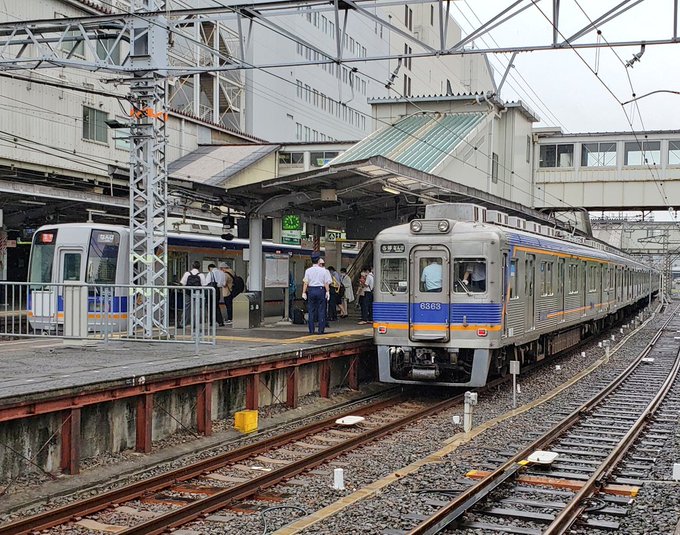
pixel 419 141
pixel 214 164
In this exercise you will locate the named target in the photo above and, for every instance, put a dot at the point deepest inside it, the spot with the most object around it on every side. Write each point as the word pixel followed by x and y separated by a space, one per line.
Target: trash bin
pixel 246 311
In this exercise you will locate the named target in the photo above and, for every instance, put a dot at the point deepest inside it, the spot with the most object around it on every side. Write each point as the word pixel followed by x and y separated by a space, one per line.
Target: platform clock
pixel 291 222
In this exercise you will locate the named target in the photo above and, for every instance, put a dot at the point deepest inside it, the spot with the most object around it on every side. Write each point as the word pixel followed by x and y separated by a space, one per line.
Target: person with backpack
pixel 216 279
pixel 234 285
pixel 192 279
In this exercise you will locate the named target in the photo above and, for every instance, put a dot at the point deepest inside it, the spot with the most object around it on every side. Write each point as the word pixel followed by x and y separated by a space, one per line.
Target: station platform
pixel 67 388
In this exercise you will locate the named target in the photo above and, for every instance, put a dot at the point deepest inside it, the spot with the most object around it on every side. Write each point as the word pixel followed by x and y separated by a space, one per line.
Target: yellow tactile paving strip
pixel 308 338
pixel 452 444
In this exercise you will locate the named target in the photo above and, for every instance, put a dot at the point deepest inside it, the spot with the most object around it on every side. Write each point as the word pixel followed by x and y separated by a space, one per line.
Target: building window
pixel 298 83
pixel 644 153
pixel 494 168
pixel 408 17
pixel 432 15
pixel 307 133
pixel 407 86
pixel 556 156
pixel 298 131
pixel 94 127
pixel 294 159
pixel 407 60
pixel 674 153
pixel 598 154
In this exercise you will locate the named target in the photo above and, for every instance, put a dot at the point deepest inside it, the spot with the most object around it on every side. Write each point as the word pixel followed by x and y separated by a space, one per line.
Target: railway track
pixel 604 448
pixel 182 495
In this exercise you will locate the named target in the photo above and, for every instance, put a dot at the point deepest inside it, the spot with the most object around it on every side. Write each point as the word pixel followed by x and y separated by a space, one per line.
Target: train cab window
pixel 102 257
pixel 431 274
pixel 512 286
pixel 42 256
pixel 393 275
pixel 470 275
pixel 71 266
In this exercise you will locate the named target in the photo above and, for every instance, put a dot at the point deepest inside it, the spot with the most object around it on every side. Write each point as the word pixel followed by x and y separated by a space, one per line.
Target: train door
pixel 561 288
pixel 430 293
pixel 529 291
pixel 70 265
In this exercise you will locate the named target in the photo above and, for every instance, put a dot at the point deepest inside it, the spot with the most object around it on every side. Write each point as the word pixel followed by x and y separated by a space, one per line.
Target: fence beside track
pixel 101 312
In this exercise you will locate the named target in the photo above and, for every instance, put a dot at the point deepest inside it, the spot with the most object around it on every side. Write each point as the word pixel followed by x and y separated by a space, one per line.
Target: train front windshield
pixel 42 256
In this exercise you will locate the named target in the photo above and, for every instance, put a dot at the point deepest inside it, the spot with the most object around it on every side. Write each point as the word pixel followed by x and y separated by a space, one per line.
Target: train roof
pixel 521 238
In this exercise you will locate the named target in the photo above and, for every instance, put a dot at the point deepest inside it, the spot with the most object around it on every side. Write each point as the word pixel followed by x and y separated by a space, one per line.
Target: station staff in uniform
pixel 316 291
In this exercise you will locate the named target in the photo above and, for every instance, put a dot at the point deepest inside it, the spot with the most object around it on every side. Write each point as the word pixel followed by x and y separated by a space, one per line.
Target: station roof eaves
pixel 557 132
pixel 213 165
pixel 359 186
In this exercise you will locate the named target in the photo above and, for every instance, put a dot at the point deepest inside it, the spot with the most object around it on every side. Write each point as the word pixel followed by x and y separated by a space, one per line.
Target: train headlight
pixel 416 226
pixel 443 226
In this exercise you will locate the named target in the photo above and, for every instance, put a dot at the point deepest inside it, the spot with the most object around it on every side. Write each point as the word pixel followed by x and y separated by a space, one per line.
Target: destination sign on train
pixel 392 248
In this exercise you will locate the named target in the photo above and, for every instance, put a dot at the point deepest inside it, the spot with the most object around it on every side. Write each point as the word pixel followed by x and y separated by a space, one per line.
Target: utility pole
pixel 148 171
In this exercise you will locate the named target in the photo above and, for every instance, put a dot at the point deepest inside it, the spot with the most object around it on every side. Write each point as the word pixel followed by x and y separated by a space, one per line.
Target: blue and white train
pixel 97 254
pixel 461 293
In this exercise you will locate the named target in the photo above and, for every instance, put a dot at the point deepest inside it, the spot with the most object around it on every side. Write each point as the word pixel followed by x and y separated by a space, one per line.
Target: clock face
pixel 292 222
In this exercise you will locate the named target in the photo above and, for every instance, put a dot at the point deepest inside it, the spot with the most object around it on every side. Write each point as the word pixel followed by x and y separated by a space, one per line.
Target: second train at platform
pixel 461 293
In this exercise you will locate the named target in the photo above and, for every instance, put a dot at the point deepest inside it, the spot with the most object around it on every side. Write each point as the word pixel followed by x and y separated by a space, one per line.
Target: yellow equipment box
pixel 245 421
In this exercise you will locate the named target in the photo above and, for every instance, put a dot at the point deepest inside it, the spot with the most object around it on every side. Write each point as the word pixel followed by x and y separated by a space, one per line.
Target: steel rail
pixel 474 494
pixel 575 507
pixel 248 489
pixel 100 502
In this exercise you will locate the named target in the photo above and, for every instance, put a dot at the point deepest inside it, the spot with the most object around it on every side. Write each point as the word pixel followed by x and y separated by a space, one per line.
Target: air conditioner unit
pixel 456 211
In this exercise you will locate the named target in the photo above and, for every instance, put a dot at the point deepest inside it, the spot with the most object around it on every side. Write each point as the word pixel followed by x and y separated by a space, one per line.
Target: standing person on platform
pixel 216 279
pixel 360 289
pixel 334 300
pixel 228 291
pixel 316 291
pixel 349 294
pixel 367 303
pixel 192 278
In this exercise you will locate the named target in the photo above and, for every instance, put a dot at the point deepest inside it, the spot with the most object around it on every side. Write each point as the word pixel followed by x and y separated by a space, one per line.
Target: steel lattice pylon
pixel 148 175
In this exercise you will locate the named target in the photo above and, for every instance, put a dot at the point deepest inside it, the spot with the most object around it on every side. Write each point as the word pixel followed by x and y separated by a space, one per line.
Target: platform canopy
pixel 362 196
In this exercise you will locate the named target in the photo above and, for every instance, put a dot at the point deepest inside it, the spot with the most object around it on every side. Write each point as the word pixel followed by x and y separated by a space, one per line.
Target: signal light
pixel 382 330
pixel 228 236
pixel 482 332
pixel 228 221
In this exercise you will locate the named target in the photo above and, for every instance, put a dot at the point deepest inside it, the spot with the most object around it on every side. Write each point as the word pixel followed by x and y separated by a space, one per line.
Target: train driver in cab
pixel 475 276
pixel 431 276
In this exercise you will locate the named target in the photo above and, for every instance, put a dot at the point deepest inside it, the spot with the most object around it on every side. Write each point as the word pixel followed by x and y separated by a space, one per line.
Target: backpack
pixel 193 280
pixel 238 286
pixel 341 291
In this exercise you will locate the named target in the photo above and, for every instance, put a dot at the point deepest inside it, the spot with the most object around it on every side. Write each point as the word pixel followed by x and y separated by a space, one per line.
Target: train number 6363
pixel 430 306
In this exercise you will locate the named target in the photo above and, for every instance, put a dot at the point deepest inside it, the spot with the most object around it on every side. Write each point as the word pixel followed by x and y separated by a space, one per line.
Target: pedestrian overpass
pixel 607 170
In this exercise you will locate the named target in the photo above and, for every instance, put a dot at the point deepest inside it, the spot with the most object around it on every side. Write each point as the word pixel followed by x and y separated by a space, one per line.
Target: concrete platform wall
pixel 110 427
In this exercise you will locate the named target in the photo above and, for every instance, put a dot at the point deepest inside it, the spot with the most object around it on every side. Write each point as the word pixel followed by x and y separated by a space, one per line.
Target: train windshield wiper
pixel 387 287
pixel 464 287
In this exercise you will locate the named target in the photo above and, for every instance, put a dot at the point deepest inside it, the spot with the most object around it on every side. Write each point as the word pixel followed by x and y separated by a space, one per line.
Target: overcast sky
pixel 571 92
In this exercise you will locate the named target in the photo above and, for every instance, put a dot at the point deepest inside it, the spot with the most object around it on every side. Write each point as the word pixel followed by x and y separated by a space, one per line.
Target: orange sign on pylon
pixel 149 112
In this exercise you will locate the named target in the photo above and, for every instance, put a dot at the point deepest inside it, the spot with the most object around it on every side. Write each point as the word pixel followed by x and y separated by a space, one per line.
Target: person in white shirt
pixel 475 276
pixel 216 279
pixel 431 276
pixel 316 291
pixel 367 301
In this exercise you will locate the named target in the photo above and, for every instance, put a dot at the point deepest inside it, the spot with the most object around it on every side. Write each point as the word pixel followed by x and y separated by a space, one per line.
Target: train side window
pixel 102 259
pixel 71 267
pixel 393 275
pixel 470 275
pixel 512 289
pixel 592 279
pixel 546 278
pixel 572 274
